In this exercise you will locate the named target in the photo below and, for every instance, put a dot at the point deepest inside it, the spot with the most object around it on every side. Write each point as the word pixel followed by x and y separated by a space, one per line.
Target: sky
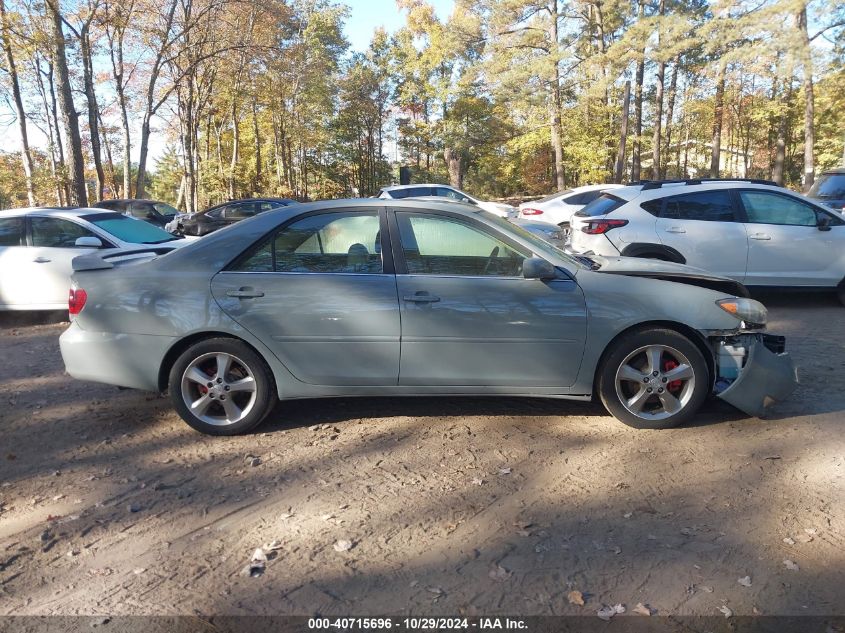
pixel 365 16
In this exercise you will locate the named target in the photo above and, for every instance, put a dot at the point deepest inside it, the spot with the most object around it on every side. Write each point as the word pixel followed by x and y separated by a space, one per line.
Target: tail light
pixel 76 301
pixel 599 227
pixel 529 211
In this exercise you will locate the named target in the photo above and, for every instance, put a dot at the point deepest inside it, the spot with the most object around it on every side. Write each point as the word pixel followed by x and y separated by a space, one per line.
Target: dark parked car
pixel 152 211
pixel 217 217
pixel 829 188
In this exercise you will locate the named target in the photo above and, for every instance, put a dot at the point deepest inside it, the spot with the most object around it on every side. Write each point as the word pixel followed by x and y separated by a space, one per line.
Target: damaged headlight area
pixel 752 313
pixel 753 370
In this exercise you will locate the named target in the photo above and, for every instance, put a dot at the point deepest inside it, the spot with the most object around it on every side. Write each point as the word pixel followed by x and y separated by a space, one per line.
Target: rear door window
pixel 602 205
pixel 11 232
pixel 708 206
pixel 340 242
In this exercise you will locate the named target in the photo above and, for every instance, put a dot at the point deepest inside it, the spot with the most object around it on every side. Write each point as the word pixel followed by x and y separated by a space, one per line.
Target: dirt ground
pixel 111 505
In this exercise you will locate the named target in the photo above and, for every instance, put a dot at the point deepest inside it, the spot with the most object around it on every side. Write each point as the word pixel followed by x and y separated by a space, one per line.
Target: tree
pixel 26 155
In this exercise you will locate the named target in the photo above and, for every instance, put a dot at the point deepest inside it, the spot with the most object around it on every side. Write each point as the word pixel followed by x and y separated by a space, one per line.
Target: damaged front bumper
pixel 766 373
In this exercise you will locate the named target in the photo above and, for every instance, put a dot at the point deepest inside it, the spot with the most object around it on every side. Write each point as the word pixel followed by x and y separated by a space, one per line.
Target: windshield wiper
pixel 169 239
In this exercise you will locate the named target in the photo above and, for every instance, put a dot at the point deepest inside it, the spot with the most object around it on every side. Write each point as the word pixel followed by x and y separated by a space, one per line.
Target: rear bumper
pixel 125 360
pixel 766 378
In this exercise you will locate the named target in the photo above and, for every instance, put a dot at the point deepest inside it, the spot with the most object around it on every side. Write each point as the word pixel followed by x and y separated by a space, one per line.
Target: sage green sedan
pixel 414 298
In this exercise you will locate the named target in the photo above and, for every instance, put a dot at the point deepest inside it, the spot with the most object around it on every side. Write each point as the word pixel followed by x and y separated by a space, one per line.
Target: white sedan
pixel 38 245
pixel 446 191
pixel 559 207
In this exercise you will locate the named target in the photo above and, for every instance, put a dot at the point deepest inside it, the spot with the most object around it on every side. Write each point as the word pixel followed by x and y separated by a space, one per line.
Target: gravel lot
pixel 111 505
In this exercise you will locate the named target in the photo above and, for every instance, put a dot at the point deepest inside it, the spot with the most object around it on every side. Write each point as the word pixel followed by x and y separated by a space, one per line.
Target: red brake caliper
pixel 674 385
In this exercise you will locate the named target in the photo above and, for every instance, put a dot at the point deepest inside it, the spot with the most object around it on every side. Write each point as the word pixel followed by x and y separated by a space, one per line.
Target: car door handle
pixel 675 229
pixel 421 297
pixel 245 293
pixel 41 260
pixel 760 236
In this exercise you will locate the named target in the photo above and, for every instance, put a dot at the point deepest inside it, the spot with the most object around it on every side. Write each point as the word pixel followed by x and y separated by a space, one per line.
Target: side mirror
pixel 464 199
pixel 538 268
pixel 823 223
pixel 88 242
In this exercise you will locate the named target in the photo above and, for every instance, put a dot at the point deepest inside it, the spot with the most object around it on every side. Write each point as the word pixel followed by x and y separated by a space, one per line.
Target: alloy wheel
pixel 655 382
pixel 219 388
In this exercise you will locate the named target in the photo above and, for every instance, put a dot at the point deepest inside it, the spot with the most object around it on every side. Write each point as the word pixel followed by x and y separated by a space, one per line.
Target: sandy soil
pixel 111 505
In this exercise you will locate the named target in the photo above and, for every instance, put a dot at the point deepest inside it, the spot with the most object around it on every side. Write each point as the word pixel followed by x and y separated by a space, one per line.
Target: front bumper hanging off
pixel 767 376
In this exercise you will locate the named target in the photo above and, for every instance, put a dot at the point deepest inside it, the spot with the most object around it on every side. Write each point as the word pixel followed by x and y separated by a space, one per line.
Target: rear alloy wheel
pixel 221 387
pixel 654 379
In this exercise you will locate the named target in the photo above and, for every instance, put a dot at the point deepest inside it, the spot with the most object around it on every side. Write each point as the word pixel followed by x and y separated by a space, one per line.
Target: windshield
pixel 128 229
pixel 165 209
pixel 828 186
pixel 541 246
pixel 553 196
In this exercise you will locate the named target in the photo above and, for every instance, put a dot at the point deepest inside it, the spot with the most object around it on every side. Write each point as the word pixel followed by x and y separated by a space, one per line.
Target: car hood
pixel 669 271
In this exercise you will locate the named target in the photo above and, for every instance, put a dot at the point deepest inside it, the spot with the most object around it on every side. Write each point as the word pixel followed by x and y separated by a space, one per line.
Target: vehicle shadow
pixel 23 318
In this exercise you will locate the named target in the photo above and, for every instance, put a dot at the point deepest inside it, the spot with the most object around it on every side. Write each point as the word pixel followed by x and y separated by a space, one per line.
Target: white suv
pixel 750 230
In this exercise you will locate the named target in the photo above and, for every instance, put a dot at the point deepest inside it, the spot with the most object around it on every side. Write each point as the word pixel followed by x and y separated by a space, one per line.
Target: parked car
pixel 748 230
pixel 409 297
pixel 38 245
pixel 829 188
pixel 398 192
pixel 217 217
pixel 152 211
pixel 559 207
pixel 552 233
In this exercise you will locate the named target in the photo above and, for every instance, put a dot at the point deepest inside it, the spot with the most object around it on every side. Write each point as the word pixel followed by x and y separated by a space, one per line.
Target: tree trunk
pixel 456 167
pixel 809 101
pixel 26 155
pixel 670 113
pixel 236 144
pixel 256 187
pixel 716 146
pixel 91 97
pixel 638 108
pixel 555 102
pixel 658 103
pixel 70 118
pixel 623 135
pixel 780 143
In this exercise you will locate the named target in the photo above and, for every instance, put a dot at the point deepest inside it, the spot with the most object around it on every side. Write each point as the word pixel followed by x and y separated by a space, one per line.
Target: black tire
pixel 244 361
pixel 689 395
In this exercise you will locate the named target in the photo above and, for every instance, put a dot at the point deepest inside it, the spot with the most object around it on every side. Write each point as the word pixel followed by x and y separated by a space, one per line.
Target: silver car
pixel 413 298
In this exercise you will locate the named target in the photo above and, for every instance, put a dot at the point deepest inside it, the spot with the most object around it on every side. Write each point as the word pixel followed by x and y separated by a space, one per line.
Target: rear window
pixel 828 186
pixel 602 205
pixel 652 206
pixel 165 209
pixel 554 195
pixel 129 230
pixel 410 192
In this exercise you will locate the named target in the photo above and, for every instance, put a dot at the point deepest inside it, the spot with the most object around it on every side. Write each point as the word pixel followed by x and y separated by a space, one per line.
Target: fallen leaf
pixel 627 515
pixel 477 481
pixel 745 581
pixel 504 471
pixel 605 613
pixel 810 531
pixel 576 597
pixel 437 591
pixel 789 541
pixel 790 565
pixel 727 612
pixel 804 538
pixel 499 573
pixel 342 545
pixel 642 609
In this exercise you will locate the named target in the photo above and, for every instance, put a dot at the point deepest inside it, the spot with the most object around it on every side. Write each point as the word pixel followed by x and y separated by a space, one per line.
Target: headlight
pixel 747 310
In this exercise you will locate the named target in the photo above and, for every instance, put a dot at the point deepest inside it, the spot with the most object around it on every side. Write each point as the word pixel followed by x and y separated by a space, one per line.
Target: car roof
pixel 585 188
pixel 59 212
pixel 835 170
pixel 674 188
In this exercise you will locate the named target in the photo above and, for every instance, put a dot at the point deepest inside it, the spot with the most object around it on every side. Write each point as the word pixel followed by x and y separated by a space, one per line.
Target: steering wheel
pixel 490 259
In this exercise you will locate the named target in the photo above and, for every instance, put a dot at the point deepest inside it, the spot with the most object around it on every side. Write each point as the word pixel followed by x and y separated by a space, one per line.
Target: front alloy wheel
pixel 221 387
pixel 654 379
